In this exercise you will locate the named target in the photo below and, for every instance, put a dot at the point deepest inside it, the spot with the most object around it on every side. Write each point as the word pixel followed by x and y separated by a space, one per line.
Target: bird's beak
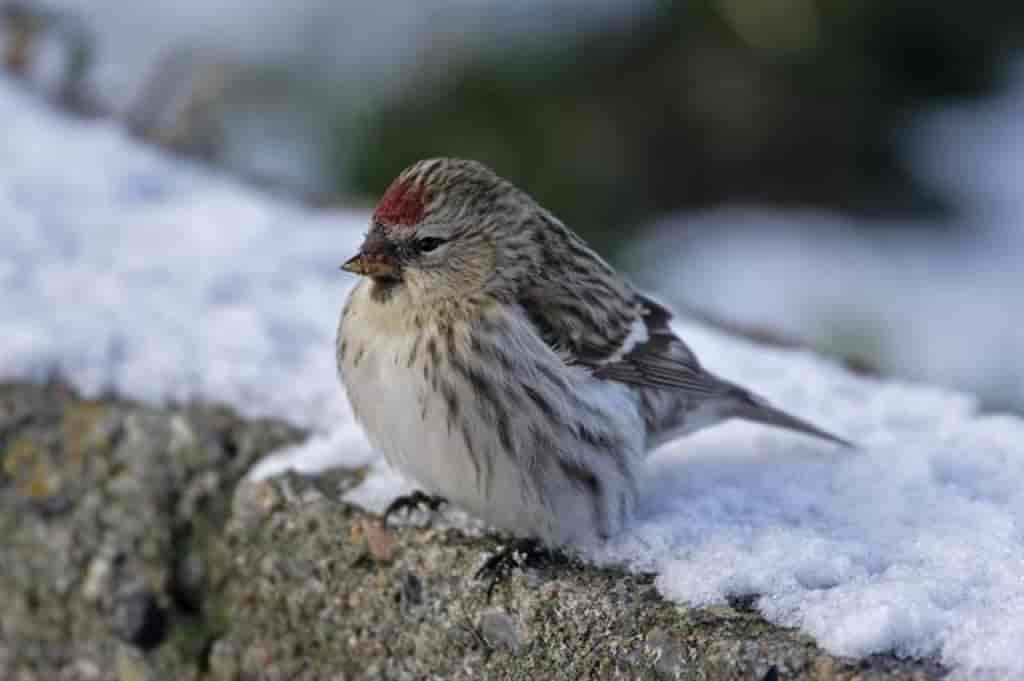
pixel 374 259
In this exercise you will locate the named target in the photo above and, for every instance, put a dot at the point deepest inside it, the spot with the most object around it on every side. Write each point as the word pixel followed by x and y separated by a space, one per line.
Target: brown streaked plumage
pixel 504 365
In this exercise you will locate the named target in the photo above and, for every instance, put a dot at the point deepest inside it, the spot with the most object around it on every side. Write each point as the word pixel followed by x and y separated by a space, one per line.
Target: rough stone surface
pixel 118 564
pixel 313 602
pixel 109 514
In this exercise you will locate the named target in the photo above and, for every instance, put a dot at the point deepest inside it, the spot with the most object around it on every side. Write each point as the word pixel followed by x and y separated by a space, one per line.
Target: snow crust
pixel 131 271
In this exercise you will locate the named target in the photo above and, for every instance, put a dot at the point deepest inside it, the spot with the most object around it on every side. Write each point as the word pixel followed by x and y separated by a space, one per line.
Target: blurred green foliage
pixel 792 102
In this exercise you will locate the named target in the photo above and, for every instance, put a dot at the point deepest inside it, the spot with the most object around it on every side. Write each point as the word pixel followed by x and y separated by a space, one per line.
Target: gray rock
pixel 499 630
pixel 139 619
pixel 317 606
pixel 130 555
pixel 223 662
pixel 110 514
pixel 133 666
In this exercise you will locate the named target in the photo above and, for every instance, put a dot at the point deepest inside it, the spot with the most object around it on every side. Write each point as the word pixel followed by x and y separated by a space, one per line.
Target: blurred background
pixel 845 175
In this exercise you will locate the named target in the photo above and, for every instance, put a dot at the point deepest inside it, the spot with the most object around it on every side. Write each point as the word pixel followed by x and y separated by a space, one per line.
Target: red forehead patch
pixel 402 204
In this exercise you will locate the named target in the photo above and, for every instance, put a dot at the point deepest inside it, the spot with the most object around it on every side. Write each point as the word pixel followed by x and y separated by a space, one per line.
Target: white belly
pixel 447 441
pixel 393 403
pixel 408 423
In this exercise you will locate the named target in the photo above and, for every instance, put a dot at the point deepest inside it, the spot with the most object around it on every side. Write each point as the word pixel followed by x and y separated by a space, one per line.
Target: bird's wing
pixel 635 345
pixel 580 306
pixel 629 339
pixel 654 356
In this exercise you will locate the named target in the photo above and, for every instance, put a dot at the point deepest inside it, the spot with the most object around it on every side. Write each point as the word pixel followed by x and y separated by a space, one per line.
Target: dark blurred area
pixel 789 103
pixel 673 107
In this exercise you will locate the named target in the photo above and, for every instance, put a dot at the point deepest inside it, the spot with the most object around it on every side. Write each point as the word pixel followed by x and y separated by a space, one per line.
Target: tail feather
pixel 757 410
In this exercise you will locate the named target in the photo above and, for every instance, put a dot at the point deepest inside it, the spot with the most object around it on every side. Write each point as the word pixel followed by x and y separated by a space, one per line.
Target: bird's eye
pixel 428 244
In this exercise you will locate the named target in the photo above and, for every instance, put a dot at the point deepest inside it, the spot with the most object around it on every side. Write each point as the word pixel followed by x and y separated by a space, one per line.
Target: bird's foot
pixel 519 553
pixel 413 502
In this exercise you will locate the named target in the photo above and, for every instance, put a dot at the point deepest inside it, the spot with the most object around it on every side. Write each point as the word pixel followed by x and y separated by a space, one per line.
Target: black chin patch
pixel 384 287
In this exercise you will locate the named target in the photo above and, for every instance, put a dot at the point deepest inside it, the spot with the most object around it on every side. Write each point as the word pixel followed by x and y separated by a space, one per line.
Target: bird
pixel 501 364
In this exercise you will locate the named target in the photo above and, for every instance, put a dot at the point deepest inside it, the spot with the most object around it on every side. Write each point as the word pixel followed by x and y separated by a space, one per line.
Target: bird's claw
pixel 520 553
pixel 412 502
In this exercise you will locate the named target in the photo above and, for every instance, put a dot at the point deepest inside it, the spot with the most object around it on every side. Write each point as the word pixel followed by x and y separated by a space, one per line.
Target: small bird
pixel 500 363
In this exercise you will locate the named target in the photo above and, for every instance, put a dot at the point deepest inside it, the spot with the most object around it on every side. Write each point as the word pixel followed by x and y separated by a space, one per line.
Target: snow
pixel 151 276
pixel 913 545
pixel 129 270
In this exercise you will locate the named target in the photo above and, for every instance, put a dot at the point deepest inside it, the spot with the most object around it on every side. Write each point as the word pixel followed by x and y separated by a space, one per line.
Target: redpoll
pixel 499 362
